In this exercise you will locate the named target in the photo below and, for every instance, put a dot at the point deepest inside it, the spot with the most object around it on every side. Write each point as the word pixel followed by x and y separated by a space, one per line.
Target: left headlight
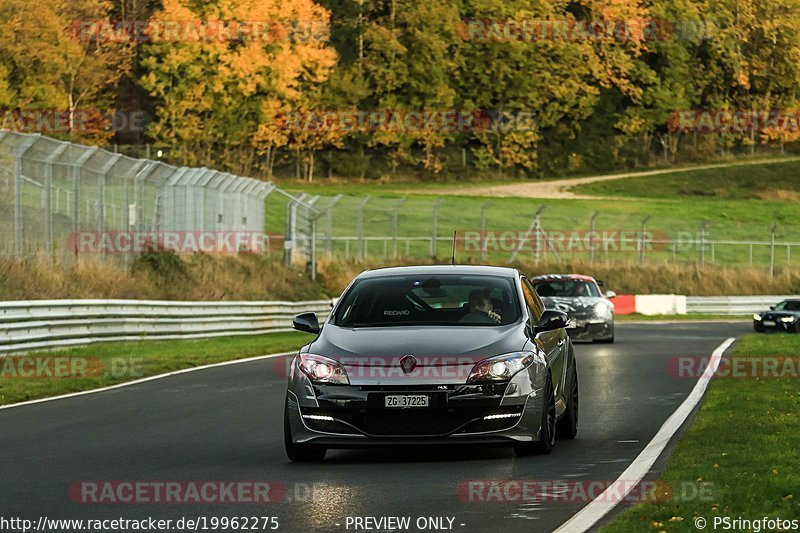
pixel 756 316
pixel 321 369
pixel 788 319
pixel 500 368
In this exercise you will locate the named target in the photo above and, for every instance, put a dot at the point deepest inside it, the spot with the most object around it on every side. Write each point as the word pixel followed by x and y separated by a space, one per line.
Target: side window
pixel 532 300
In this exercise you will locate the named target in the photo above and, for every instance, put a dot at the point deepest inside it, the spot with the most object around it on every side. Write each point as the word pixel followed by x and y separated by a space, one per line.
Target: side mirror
pixel 307 322
pixel 599 282
pixel 772 307
pixel 611 294
pixel 551 319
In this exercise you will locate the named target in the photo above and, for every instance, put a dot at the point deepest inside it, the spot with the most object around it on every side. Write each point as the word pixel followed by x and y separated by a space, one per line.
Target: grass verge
pixel 101 365
pixel 742 443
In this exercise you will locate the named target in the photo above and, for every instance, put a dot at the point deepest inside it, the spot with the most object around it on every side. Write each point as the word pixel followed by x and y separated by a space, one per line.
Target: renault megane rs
pixel 433 355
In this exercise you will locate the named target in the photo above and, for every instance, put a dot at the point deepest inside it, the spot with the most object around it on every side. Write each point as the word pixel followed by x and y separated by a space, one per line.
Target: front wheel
pixel 547 433
pixel 568 425
pixel 300 453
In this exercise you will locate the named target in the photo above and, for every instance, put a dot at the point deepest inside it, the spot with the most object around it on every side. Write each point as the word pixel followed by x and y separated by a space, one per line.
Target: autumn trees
pixel 553 86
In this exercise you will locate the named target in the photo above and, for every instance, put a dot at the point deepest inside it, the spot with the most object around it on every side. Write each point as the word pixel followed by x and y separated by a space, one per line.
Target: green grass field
pixel 672 218
pixel 102 365
pixel 756 182
pixel 743 444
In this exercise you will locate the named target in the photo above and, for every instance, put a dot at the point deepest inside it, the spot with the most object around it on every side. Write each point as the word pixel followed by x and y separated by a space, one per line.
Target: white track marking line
pixel 145 380
pixel 630 478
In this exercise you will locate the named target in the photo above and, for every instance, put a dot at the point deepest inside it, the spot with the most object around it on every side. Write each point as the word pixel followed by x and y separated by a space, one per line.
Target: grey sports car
pixel 591 312
pixel 433 355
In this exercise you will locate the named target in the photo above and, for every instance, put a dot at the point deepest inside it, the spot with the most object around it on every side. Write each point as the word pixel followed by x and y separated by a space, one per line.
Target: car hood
pixel 442 355
pixel 572 305
pixel 777 314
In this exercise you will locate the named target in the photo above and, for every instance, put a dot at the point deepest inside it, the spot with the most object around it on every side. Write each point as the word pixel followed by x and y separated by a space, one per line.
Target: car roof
pixel 484 270
pixel 551 277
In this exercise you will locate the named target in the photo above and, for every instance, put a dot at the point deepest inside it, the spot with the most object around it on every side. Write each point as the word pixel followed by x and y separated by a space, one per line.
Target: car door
pixel 553 343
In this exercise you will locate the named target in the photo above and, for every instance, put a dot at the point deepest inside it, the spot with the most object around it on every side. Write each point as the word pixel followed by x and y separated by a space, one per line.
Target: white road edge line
pixel 145 380
pixel 630 478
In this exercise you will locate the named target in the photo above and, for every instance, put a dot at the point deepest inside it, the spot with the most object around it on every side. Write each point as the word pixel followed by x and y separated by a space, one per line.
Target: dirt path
pixel 560 189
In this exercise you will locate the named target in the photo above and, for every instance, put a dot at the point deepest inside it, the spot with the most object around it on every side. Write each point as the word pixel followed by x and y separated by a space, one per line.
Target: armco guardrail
pixel 42 324
pixel 731 305
pixel 27 325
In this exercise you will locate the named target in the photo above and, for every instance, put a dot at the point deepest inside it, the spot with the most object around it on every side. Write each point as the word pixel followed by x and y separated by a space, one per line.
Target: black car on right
pixel 782 317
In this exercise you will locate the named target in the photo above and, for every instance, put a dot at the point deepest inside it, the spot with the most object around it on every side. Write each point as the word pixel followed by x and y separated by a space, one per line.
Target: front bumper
pixel 776 326
pixel 590 329
pixel 457 413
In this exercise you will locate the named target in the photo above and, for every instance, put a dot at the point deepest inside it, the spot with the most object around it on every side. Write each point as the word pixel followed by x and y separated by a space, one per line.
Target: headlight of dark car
pixel 788 319
pixel 602 309
pixel 501 367
pixel 756 316
pixel 321 369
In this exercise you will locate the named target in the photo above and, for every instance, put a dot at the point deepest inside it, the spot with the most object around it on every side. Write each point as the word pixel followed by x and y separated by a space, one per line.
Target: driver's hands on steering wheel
pixel 494 316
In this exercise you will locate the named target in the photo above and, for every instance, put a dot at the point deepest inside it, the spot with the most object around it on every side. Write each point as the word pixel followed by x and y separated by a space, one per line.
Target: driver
pixel 480 308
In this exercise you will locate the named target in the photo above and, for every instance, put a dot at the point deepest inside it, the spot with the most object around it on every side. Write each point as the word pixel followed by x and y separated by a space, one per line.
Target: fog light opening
pixel 319 417
pixel 503 415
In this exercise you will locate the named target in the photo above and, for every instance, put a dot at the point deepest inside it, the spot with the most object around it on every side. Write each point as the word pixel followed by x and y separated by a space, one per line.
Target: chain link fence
pixel 66 199
pixel 493 231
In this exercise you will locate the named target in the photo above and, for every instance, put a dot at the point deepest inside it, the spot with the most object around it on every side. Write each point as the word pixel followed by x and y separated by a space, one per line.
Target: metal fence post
pixel 772 251
pixel 535 226
pixel 395 224
pixel 360 229
pixel 484 209
pixel 329 239
pixel 643 238
pixel 592 225
pixel 18 156
pixel 434 226
pixel 18 204
pixel 703 243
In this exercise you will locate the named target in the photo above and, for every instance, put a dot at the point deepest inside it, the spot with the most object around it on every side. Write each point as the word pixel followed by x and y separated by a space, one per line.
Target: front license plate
pixel 406 400
pixel 770 323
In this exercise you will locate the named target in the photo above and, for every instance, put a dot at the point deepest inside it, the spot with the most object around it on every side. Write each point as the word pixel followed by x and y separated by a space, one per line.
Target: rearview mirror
pixel 307 322
pixel 611 294
pixel 551 319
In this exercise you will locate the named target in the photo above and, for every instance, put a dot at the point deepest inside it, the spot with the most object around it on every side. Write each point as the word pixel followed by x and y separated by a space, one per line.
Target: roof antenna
pixel 454 248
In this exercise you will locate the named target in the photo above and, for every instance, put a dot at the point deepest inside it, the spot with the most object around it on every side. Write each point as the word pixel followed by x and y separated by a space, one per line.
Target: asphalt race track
pixel 226 423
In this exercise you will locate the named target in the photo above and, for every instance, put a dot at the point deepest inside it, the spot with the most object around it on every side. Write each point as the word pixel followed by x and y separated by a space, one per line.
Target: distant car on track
pixel 433 355
pixel 782 317
pixel 590 311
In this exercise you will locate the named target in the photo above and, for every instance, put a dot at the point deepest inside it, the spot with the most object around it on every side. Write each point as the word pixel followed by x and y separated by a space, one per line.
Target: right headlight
pixel 602 308
pixel 500 368
pixel 321 369
pixel 756 316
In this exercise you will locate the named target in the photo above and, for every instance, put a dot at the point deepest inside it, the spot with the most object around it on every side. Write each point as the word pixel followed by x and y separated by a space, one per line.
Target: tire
pixel 300 453
pixel 547 434
pixel 567 427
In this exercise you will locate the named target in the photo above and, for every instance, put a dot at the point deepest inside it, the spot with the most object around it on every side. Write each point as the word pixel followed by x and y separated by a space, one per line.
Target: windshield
pixel 788 305
pixel 569 288
pixel 426 300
